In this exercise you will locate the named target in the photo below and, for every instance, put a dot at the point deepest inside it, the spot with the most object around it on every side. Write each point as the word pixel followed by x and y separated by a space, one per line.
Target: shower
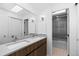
pixel 59 32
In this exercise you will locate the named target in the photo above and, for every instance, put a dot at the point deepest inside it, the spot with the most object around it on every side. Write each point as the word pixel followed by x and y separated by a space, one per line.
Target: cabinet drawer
pixel 32 47
pixel 39 43
pixel 22 52
pixel 13 54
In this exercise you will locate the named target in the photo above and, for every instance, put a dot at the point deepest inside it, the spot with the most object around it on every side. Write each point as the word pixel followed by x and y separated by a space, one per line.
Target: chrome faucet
pixel 16 38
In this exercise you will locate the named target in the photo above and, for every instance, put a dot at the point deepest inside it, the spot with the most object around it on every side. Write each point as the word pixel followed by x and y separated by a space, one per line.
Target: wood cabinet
pixel 36 49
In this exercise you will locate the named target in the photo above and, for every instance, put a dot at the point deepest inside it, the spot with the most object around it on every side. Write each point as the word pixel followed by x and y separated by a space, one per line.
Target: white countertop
pixel 8 48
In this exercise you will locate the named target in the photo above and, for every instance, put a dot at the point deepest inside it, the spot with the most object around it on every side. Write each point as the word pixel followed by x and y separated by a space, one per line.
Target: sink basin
pixel 21 43
pixel 32 39
pixel 28 39
pixel 16 45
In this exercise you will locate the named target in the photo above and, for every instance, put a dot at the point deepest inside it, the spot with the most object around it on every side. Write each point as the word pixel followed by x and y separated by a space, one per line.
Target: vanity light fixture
pixel 42 18
pixel 16 9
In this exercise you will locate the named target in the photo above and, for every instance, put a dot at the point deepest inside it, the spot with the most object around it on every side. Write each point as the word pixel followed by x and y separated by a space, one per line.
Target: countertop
pixel 5 49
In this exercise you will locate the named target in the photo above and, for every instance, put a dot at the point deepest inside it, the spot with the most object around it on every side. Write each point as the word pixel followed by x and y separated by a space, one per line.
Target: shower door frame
pixel 68 29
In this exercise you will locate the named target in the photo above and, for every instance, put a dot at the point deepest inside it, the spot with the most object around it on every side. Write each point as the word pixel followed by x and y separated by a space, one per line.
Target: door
pixel 61 29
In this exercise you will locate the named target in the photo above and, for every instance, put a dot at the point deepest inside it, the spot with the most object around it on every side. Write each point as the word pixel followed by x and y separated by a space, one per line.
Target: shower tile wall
pixel 60 31
pixel 60 27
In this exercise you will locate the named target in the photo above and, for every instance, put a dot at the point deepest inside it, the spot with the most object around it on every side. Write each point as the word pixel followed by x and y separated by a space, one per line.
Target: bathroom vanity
pixel 28 46
pixel 37 48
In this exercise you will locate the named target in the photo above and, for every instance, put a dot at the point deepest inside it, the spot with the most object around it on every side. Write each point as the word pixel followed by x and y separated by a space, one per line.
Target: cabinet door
pixel 40 48
pixel 41 51
pixel 32 54
pixel 13 54
pixel 15 28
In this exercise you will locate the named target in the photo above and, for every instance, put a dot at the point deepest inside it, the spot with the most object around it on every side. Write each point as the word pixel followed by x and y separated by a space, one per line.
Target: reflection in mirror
pixel 25 27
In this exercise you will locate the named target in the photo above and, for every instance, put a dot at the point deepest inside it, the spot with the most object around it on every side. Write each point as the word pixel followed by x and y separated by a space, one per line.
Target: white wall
pixel 72 24
pixel 32 25
pixel 77 29
pixel 3 28
pixel 41 25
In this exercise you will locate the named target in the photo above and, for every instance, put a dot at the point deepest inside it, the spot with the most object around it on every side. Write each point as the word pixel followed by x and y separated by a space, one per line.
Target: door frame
pixel 68 29
pixel 68 32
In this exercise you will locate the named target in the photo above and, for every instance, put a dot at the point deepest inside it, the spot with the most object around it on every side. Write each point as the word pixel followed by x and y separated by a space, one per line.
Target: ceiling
pixel 36 8
pixel 9 6
pixel 40 7
pixel 28 8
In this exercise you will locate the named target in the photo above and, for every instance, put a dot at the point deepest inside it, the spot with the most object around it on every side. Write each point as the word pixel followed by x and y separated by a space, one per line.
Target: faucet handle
pixel 15 37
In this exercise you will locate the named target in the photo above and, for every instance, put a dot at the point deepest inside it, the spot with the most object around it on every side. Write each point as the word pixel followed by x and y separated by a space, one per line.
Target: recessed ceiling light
pixel 16 9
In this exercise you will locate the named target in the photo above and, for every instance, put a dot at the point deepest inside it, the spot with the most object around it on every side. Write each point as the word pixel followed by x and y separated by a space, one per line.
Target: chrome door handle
pixel 67 35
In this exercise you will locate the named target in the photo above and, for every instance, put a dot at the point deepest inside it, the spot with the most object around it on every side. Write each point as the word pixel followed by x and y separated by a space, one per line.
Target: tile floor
pixel 59 48
pixel 59 52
